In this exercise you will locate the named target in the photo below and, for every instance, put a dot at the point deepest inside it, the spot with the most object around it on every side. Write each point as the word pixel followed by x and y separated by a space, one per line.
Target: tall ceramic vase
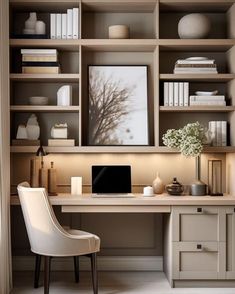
pixel 198 188
pixel 158 186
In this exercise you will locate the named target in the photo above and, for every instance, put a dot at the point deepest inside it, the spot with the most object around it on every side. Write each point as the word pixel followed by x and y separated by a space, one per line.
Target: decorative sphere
pixel 194 26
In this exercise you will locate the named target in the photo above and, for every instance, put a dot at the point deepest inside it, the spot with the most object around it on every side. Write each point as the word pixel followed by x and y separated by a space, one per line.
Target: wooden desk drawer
pixel 196 224
pixel 194 260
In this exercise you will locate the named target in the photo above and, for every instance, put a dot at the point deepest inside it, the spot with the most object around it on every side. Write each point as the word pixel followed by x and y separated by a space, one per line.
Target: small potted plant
pixel 189 141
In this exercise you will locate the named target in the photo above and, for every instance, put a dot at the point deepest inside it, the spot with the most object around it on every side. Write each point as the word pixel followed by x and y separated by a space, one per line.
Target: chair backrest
pixel 46 236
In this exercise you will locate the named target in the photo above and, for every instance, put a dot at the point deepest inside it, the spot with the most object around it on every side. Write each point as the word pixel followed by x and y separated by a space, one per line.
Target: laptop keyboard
pixel 113 195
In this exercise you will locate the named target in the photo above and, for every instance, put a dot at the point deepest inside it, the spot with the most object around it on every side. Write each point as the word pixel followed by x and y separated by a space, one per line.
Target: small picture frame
pixel 118 105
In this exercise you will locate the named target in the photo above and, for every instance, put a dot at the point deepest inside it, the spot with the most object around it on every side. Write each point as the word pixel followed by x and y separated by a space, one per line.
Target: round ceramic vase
pixel 194 26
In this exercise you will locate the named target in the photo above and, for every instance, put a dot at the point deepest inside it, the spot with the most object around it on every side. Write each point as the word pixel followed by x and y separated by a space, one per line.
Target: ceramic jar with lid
pixel 175 188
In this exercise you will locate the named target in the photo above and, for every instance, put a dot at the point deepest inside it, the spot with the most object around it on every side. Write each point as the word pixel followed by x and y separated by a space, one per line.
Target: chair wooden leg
pixel 37 270
pixel 47 270
pixel 94 273
pixel 76 268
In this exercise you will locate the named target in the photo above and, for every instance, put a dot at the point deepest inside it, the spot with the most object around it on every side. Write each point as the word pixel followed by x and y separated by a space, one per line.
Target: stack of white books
pixel 176 94
pixel 212 100
pixel 197 65
pixel 65 25
pixel 218 130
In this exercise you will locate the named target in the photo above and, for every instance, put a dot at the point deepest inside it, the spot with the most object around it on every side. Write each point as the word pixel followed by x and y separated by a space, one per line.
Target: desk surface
pixel 158 203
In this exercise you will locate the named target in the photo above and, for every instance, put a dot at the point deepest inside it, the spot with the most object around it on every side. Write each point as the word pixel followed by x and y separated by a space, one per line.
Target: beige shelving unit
pixel 153 42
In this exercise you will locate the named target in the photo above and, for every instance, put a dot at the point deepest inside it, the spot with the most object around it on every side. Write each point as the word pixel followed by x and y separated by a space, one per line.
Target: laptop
pixel 111 181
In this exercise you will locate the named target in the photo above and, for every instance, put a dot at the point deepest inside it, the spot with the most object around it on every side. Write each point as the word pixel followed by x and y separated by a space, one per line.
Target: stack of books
pixel 65 25
pixel 218 130
pixel 176 94
pixel 40 61
pixel 197 65
pixel 212 100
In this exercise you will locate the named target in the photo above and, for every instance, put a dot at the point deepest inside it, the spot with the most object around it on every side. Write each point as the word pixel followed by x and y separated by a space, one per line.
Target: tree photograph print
pixel 118 105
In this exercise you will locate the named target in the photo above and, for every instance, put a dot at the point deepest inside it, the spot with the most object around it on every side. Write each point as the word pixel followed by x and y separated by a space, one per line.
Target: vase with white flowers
pixel 189 141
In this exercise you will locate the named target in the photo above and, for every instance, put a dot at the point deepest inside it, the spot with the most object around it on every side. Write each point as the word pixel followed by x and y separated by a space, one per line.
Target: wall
pixel 121 234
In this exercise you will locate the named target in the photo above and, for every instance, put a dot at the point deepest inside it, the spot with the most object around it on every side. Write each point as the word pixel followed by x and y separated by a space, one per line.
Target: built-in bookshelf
pixel 153 42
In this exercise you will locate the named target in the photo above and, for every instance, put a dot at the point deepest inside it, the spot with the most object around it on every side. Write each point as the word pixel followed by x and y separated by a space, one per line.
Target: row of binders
pixel 65 25
pixel 176 94
pixel 40 61
pixel 218 132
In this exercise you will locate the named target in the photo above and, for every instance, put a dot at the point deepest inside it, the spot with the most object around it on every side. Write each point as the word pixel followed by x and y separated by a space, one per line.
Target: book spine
pixel 58 25
pixel 183 61
pixel 166 94
pixel 52 26
pixel 75 22
pixel 61 142
pixel 38 51
pixel 207 98
pixel 39 58
pixel 40 70
pixel 176 94
pixel 40 63
pixel 219 133
pixel 208 103
pixel 186 94
pixel 69 23
pixel 224 133
pixel 212 128
pixel 64 26
pixel 171 94
pixel 181 94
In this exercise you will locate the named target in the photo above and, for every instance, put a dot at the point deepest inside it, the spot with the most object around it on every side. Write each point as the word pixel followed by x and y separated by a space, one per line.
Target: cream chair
pixel 47 238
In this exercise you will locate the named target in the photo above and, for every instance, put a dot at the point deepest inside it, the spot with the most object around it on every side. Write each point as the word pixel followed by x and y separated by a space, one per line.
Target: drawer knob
pixel 199 209
pixel 199 246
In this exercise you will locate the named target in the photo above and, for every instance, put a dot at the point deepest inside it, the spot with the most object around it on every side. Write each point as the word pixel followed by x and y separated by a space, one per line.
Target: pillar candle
pixel 76 185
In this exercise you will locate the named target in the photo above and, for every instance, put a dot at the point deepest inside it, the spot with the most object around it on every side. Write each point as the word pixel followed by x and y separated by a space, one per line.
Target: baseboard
pixel 105 263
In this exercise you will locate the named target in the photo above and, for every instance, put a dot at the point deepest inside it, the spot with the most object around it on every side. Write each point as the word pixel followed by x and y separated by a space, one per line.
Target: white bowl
pixel 38 100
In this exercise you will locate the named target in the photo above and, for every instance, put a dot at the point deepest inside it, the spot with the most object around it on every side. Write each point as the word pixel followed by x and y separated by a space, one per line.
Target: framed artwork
pixel 118 105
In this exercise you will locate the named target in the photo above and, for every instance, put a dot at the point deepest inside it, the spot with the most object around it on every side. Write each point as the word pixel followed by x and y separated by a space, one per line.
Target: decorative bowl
pixel 38 100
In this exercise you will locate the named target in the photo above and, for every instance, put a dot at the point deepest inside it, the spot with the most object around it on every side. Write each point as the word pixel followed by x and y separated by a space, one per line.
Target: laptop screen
pixel 111 179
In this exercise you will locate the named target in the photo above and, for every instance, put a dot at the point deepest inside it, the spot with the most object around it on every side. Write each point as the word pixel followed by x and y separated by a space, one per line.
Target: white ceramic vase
pixel 194 26
pixel 158 186
pixel 32 128
pixel 40 28
pixel 31 21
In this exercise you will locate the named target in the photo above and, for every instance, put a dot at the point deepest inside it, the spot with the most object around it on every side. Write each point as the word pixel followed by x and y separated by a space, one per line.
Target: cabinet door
pixel 198 260
pixel 198 223
pixel 230 243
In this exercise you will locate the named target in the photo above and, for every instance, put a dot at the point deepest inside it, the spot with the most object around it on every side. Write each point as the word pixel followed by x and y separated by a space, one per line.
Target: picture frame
pixel 118 105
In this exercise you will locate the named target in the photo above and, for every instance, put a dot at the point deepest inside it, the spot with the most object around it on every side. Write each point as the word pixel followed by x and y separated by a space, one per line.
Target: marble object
pixel 59 131
pixel 194 26
pixel 118 32
pixel 76 186
pixel 30 23
pixel 38 100
pixel 32 128
pixel 148 191
pixel 21 132
pixel 64 96
pixel 158 186
pixel 40 28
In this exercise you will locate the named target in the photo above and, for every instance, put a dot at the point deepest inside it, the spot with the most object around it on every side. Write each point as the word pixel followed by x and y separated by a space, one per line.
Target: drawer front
pixel 194 260
pixel 230 243
pixel 192 224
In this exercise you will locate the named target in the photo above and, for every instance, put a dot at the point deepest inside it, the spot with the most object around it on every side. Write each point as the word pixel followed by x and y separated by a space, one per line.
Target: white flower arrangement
pixel 188 140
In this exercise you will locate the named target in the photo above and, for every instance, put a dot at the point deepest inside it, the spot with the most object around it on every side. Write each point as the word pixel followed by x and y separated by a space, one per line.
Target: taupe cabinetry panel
pixel 200 223
pixel 198 260
pixel 230 243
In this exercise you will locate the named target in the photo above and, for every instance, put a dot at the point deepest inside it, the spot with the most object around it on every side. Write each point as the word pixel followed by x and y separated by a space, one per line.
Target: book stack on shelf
pixel 65 25
pixel 176 94
pixel 40 61
pixel 198 65
pixel 218 131
pixel 207 99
